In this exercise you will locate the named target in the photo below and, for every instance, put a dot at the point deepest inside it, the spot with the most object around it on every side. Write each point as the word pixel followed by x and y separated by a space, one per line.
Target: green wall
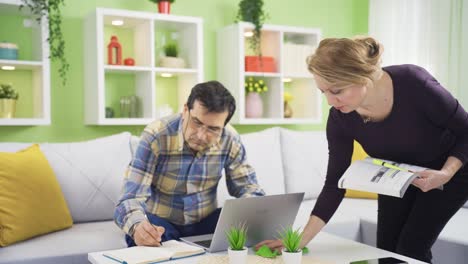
pixel 336 18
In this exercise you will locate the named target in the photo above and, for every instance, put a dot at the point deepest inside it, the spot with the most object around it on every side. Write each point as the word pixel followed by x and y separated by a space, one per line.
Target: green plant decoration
pixel 255 85
pixel 157 1
pixel 266 252
pixel 291 239
pixel 237 236
pixel 7 92
pixel 51 10
pixel 252 11
pixel 171 50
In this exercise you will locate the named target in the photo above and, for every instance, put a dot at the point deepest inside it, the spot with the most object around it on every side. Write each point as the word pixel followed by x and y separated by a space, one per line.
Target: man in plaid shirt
pixel 170 186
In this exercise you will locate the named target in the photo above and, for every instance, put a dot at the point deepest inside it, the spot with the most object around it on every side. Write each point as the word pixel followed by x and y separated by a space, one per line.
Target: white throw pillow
pixel 91 174
pixel 13 146
pixel 264 154
pixel 305 159
pixel 466 205
pixel 134 141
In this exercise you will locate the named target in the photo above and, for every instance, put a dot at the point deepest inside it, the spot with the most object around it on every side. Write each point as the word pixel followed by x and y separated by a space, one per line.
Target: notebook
pixel 170 250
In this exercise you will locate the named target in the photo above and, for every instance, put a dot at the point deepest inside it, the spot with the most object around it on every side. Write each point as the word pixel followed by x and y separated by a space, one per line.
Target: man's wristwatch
pixel 131 231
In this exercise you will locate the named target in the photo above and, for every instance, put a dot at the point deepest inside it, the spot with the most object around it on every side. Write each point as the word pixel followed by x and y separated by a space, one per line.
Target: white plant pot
pixel 292 257
pixel 172 62
pixel 237 256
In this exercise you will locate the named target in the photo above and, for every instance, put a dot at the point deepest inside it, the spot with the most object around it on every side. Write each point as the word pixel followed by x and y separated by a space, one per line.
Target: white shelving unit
pixel 289 47
pixel 31 74
pixel 141 36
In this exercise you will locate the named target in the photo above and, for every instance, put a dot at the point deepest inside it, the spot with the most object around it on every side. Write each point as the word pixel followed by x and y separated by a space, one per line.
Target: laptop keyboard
pixel 204 243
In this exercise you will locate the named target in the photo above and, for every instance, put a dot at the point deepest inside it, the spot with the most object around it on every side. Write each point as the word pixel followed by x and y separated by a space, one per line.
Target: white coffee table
pixel 325 246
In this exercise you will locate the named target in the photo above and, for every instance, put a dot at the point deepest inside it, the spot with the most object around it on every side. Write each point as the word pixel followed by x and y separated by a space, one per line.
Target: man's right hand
pixel 147 234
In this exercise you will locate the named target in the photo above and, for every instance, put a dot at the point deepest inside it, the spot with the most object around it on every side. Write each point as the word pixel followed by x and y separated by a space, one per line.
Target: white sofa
pixel 90 174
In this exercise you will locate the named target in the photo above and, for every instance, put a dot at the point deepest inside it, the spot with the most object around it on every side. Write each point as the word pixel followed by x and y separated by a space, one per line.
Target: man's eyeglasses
pixel 210 131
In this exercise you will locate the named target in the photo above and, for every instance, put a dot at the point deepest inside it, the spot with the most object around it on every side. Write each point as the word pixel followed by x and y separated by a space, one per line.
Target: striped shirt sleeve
pixel 137 184
pixel 240 176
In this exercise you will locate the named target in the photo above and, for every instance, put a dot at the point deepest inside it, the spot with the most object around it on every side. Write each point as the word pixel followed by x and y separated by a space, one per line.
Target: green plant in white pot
pixel 237 237
pixel 171 59
pixel 292 252
pixel 8 98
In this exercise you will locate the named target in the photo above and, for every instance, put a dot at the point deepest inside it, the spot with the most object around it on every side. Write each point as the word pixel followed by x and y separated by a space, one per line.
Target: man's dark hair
pixel 214 97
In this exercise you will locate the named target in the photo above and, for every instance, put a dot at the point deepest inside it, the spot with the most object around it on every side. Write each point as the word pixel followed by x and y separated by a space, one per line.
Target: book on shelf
pixel 170 250
pixel 379 176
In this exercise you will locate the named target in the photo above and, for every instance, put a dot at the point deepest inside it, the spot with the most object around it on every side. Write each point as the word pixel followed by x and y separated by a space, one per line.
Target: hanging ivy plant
pixel 51 10
pixel 252 11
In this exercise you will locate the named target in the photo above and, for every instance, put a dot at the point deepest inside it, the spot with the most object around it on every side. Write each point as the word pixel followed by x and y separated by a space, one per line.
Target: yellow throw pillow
pixel 31 201
pixel 359 154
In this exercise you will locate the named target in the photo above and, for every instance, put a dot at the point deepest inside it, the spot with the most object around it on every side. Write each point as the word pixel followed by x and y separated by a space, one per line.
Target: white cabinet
pixel 29 74
pixel 155 88
pixel 287 48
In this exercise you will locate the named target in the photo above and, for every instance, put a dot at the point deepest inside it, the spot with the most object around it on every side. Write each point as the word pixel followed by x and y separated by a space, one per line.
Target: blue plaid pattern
pixel 166 179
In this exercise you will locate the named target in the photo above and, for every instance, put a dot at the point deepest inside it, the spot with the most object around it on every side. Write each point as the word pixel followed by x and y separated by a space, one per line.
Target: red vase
pixel 164 7
pixel 114 52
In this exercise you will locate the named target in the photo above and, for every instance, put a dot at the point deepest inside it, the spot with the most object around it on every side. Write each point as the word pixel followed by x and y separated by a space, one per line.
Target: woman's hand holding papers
pixel 432 179
pixel 147 234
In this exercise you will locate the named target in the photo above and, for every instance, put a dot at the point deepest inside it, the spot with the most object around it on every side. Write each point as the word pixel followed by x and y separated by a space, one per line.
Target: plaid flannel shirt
pixel 165 178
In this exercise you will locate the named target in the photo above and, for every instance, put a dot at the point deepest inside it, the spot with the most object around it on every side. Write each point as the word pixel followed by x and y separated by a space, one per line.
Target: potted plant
pixel 292 253
pixel 164 6
pixel 170 60
pixel 252 11
pixel 237 237
pixel 8 97
pixel 50 9
pixel 253 100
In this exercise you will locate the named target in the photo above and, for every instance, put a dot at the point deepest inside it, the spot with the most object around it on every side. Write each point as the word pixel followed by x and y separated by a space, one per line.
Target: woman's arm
pixel 313 227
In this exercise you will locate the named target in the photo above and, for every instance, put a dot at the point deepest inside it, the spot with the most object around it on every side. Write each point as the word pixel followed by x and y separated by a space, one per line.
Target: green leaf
pixel 237 236
pixel 266 252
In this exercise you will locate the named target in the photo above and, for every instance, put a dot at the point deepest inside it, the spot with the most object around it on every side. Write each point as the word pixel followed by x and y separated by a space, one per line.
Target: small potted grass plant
pixel 8 98
pixel 237 237
pixel 171 59
pixel 291 238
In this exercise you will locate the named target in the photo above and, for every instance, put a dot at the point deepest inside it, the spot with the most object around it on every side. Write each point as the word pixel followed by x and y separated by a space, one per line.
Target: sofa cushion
pixel 13 146
pixel 91 174
pixel 31 202
pixel 134 141
pixel 264 154
pixel 305 159
pixel 67 246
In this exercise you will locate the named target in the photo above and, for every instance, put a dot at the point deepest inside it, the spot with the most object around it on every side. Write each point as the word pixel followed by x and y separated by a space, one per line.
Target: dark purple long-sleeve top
pixel 426 126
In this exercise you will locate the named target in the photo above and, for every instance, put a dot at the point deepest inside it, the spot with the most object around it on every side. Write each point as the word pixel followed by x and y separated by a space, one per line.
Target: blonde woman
pixel 399 113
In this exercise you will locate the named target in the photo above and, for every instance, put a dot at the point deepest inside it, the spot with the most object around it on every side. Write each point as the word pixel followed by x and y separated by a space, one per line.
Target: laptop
pixel 263 215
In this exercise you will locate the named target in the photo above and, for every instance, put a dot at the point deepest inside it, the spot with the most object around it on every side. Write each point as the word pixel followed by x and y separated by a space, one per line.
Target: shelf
pixel 233 46
pixel 31 73
pixel 126 69
pixel 262 74
pixel 108 85
pixel 24 121
pixel 176 71
pixel 22 65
